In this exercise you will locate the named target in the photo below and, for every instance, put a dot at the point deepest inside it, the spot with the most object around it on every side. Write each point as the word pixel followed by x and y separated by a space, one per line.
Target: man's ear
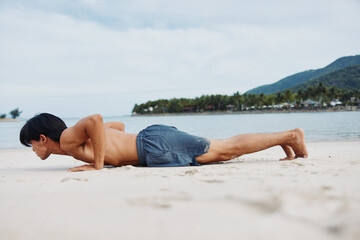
pixel 43 138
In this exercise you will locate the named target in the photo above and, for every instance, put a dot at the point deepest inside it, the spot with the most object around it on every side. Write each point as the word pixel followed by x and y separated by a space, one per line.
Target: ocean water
pixel 324 126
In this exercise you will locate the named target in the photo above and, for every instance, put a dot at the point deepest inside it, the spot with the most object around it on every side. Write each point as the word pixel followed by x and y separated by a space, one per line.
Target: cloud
pixel 103 52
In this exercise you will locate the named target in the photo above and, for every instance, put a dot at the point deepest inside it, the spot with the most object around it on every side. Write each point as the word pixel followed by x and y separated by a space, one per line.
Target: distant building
pixel 310 103
pixel 335 102
pixel 187 109
pixel 230 107
pixel 209 108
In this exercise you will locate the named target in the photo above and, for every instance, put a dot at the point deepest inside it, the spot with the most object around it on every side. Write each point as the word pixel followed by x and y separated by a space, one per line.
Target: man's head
pixel 38 130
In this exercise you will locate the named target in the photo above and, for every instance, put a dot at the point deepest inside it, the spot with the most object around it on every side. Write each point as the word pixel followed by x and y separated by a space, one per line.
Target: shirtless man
pixel 97 143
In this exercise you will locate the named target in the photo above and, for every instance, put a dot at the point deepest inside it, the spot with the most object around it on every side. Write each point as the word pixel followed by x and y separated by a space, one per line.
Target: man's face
pixel 40 148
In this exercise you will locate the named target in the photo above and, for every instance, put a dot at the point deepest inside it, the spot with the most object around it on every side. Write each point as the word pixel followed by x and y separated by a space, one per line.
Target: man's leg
pixel 226 149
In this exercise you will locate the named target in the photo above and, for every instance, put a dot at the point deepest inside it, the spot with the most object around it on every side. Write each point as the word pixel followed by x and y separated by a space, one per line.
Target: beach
pixel 251 197
pixel 9 120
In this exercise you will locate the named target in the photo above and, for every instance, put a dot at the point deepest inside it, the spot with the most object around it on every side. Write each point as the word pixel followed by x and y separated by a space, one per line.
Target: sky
pixel 79 57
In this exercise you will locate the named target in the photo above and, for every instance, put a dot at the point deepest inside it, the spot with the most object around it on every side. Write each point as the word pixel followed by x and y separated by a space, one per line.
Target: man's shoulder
pixel 69 136
pixel 65 137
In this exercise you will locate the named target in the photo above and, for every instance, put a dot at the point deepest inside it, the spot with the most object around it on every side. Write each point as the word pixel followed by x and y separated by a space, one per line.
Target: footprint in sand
pixel 212 181
pixel 326 187
pixel 189 172
pixel 298 164
pixel 150 202
pixel 74 179
pixel 162 202
pixel 268 205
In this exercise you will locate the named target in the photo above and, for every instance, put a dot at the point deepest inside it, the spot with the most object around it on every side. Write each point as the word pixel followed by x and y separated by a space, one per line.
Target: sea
pixel 318 126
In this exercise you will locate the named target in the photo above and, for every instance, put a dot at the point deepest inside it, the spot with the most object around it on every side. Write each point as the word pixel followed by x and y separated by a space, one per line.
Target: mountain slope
pixel 347 78
pixel 305 76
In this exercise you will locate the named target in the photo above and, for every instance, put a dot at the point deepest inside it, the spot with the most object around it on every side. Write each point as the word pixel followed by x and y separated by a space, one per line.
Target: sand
pixel 9 120
pixel 252 197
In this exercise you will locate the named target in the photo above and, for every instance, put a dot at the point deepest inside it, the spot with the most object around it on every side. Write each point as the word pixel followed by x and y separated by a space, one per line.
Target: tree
pixel 269 100
pixel 334 93
pixel 2 115
pixel 279 98
pixel 260 100
pixel 299 97
pixel 288 96
pixel 174 106
pixel 15 113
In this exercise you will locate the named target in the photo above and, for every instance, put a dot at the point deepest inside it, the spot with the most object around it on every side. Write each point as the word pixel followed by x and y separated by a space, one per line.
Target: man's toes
pixel 287 158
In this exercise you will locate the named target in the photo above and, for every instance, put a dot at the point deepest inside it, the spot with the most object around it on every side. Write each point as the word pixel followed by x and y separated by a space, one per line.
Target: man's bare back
pixel 120 149
pixel 97 143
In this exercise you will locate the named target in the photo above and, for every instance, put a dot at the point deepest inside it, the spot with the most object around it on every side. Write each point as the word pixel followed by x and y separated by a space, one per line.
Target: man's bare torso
pixel 120 149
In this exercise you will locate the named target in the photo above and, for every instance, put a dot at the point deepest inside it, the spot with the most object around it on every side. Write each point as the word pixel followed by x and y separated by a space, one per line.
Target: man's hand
pixel 85 167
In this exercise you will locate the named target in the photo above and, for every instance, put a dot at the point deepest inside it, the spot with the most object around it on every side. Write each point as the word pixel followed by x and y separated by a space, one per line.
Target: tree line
pixel 320 95
pixel 14 113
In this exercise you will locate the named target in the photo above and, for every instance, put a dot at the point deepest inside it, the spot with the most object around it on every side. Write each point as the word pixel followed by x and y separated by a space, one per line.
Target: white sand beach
pixel 252 197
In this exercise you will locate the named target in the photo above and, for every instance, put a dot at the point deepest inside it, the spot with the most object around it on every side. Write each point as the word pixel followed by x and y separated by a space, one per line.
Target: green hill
pixel 305 76
pixel 347 78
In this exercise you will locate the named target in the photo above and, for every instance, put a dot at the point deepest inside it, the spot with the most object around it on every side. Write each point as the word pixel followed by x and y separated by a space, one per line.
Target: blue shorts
pixel 165 146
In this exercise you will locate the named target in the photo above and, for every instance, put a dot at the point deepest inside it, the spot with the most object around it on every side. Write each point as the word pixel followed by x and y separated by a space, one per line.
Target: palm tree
pixel 289 97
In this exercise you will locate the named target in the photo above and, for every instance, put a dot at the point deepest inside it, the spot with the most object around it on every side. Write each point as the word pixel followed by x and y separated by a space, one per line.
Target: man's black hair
pixel 45 123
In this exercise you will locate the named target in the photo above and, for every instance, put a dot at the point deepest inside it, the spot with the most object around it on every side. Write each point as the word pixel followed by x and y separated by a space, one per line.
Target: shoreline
pixel 342 109
pixel 9 120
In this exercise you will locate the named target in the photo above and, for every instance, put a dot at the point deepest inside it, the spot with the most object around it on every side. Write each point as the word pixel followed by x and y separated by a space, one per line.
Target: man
pixel 97 143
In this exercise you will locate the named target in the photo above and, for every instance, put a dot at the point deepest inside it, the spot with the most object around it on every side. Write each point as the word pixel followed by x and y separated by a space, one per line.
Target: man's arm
pixel 115 125
pixel 90 127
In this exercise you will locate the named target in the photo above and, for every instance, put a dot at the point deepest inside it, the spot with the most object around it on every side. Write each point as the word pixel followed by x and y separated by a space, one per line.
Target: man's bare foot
pixel 290 155
pixel 298 144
